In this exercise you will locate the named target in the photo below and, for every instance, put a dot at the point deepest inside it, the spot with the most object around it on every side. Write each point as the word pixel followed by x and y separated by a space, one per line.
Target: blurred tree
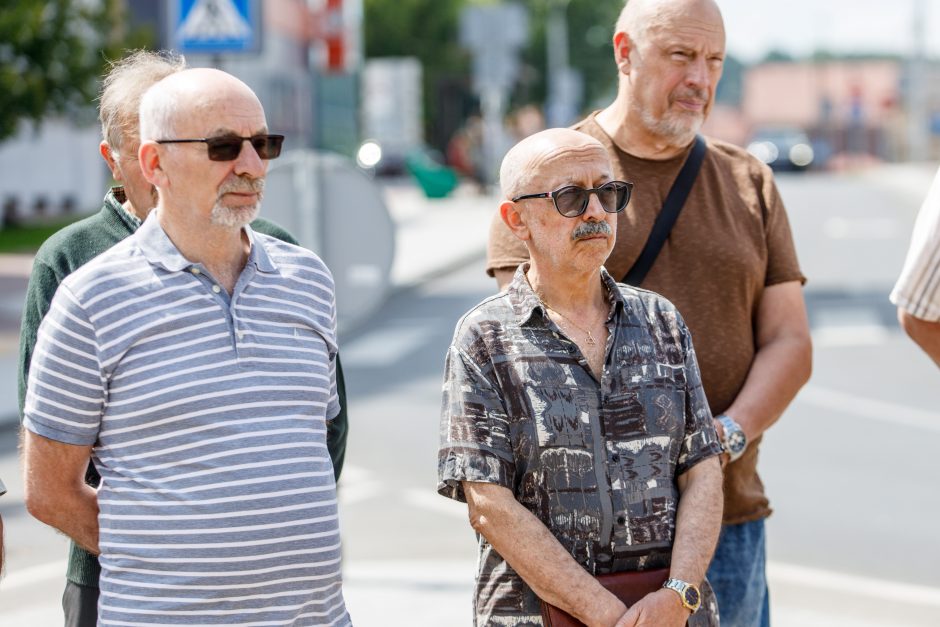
pixel 590 43
pixel 51 54
pixel 430 31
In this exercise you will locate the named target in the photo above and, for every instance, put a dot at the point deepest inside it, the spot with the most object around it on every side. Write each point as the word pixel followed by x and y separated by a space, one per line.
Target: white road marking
pixel 850 335
pixel 872 408
pixel 383 348
pixel 433 502
pixel 358 484
pixel 860 228
pixel 33 575
pixel 853 585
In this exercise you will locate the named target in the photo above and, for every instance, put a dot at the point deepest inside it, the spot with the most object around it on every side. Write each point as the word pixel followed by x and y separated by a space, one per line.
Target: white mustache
pixel 587 229
pixel 242 185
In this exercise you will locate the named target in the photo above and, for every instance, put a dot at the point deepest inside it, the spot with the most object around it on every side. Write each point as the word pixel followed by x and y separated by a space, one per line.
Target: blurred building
pixel 847 107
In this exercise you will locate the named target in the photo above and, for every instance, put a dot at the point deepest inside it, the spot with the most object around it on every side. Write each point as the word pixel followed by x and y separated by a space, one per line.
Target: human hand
pixel 657 609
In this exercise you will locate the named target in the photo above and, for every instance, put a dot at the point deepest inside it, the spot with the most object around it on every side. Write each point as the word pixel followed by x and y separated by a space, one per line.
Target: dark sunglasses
pixel 572 201
pixel 228 147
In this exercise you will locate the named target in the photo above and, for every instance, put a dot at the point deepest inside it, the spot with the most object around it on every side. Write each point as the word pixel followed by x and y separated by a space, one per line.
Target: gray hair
pixel 158 109
pixel 123 87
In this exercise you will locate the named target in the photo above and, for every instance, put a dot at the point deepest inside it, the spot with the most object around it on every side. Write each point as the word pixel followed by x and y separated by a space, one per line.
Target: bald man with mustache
pixel 574 424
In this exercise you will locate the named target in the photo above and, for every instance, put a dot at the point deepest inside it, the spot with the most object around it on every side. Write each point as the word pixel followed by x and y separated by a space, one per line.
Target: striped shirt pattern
pixel 918 289
pixel 207 415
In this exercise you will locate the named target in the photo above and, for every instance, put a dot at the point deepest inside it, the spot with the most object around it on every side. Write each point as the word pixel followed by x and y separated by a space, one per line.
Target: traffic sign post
pixel 216 26
pixel 494 34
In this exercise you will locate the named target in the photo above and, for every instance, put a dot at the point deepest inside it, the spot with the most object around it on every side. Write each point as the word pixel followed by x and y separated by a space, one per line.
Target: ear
pixel 149 157
pixel 108 155
pixel 622 48
pixel 512 217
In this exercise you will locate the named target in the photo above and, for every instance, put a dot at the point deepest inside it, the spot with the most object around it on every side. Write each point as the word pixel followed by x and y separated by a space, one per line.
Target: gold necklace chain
pixel 590 336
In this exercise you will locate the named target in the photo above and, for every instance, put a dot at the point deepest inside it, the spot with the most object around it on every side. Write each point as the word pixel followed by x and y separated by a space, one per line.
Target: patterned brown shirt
pixel 595 461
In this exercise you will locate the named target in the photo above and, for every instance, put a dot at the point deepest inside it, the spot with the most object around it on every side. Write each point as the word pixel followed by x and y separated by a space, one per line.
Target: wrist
pixel 733 439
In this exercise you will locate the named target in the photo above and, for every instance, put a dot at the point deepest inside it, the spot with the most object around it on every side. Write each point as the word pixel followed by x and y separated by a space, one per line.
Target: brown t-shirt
pixel 731 240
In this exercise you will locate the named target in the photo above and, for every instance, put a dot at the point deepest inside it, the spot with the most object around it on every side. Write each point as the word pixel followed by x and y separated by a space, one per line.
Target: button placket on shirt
pixel 227 305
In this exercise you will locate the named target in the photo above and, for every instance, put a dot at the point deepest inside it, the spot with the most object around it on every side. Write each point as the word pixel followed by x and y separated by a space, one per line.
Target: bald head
pixel 189 93
pixel 641 16
pixel 538 156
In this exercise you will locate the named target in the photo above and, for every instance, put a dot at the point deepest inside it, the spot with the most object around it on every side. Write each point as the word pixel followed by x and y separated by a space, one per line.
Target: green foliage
pixel 51 55
pixel 590 49
pixel 27 238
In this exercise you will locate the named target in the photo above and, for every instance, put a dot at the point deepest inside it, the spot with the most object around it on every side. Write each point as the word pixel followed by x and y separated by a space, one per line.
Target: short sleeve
pixel 65 392
pixel 701 439
pixel 475 440
pixel 333 407
pixel 918 288
pixel 782 262
pixel 504 250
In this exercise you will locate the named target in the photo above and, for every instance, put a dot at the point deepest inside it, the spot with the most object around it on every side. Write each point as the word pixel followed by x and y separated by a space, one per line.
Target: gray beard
pixel 673 127
pixel 233 218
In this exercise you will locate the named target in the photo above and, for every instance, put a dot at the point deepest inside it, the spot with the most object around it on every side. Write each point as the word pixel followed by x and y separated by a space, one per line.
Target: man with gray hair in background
pixel 728 261
pixel 125 206
pixel 195 363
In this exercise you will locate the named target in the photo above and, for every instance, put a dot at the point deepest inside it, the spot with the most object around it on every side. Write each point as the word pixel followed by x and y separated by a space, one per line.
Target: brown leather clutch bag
pixel 629 587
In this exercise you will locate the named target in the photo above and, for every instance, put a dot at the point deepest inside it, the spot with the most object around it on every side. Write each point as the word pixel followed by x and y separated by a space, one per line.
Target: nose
pixel 248 161
pixel 698 75
pixel 594 210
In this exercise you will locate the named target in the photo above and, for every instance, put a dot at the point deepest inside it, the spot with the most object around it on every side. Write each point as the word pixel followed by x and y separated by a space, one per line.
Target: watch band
pixel 689 594
pixel 734 442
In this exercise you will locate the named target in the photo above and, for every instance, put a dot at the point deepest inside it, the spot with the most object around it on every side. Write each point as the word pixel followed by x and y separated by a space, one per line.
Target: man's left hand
pixel 657 609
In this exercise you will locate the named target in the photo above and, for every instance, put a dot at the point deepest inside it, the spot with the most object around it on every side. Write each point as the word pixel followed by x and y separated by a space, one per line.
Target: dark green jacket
pixel 65 252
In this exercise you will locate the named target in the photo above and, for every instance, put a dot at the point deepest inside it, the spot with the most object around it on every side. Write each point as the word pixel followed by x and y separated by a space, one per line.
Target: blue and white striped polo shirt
pixel 208 419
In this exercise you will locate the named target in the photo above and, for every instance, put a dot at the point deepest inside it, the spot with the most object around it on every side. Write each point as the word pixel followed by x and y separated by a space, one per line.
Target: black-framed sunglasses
pixel 572 201
pixel 228 147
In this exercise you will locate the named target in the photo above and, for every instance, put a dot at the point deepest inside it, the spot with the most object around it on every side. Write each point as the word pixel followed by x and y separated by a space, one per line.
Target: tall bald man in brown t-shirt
pixel 729 264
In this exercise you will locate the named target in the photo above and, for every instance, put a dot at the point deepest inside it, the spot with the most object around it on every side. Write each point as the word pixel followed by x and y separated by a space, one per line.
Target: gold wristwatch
pixel 688 593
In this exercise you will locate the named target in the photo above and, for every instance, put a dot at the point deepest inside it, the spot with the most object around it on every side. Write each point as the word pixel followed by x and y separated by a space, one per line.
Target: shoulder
pixel 120 265
pixel 483 322
pixel 71 242
pixel 736 160
pixel 658 310
pixel 294 260
pixel 273 229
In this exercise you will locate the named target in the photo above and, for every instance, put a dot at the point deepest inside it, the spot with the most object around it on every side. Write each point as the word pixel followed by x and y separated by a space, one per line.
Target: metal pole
pixel 556 43
pixel 917 128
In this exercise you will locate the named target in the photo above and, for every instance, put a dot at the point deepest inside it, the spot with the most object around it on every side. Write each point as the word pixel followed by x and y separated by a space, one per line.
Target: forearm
pixel 777 373
pixel 924 332
pixel 698 521
pixel 55 490
pixel 542 562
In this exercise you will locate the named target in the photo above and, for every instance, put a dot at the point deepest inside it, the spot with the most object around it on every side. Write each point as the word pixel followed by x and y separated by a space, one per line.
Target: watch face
pixel 692 596
pixel 736 441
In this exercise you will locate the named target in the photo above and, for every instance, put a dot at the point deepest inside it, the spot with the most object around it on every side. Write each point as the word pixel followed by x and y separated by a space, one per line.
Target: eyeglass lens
pixel 573 201
pixel 228 148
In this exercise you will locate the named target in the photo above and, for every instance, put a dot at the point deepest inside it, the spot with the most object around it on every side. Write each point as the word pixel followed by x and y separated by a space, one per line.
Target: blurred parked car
pixel 783 149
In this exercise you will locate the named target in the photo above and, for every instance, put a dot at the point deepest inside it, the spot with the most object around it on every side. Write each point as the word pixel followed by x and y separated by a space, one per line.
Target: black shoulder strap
pixel 667 217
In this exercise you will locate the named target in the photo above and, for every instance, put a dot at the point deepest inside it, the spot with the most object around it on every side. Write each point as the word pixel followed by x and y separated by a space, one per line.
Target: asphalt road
pixel 849 468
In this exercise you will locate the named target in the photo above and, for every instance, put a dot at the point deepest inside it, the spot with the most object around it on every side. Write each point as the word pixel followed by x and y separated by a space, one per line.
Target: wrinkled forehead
pixel 241 115
pixel 560 163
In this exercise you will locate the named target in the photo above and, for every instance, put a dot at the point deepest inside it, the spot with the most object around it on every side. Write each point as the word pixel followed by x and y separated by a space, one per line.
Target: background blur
pixel 397 114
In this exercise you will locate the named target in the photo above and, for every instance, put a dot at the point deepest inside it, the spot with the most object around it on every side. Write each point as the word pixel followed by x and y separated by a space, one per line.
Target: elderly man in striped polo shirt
pixel 195 364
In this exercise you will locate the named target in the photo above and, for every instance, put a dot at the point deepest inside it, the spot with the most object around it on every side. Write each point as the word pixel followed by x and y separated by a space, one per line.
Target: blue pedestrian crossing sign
pixel 217 26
